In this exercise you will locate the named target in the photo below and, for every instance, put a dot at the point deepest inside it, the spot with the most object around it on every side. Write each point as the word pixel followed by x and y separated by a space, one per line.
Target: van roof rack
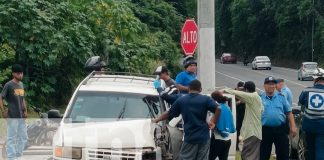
pixel 135 76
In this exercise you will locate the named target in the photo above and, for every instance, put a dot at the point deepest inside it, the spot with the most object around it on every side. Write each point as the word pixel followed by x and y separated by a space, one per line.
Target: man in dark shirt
pixel 194 107
pixel 13 93
pixel 240 110
pixel 163 74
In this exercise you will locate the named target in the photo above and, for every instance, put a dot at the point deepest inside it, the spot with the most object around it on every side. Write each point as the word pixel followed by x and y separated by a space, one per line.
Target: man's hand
pixel 211 125
pixel 157 83
pixel 154 120
pixel 293 131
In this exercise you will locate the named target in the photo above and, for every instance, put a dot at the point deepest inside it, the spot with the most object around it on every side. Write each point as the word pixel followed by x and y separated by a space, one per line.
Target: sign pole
pixel 206 45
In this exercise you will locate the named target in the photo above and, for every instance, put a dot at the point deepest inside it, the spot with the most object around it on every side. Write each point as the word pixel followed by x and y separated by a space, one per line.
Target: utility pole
pixel 206 44
pixel 313 32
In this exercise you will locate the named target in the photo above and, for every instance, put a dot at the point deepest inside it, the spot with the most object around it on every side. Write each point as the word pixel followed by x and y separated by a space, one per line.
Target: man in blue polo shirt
pixel 282 88
pixel 194 107
pixel 185 77
pixel 274 129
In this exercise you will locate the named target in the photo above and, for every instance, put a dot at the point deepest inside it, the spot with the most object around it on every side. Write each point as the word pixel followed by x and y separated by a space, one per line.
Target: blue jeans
pixel 16 137
pixel 314 146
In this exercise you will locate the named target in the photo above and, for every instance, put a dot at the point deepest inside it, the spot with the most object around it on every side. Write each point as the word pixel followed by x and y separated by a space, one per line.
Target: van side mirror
pixel 53 113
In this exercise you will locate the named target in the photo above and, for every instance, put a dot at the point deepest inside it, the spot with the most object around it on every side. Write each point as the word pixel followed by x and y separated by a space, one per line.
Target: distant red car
pixel 228 58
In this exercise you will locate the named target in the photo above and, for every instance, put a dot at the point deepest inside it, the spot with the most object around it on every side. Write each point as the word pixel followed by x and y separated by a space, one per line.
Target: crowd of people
pixel 262 120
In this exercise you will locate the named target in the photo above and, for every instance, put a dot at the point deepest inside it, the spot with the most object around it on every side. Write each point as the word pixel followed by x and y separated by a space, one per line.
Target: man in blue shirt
pixel 311 99
pixel 283 89
pixel 194 107
pixel 274 130
pixel 185 77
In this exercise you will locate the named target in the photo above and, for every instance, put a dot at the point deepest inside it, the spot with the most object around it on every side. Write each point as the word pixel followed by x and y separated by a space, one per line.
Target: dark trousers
pixel 219 148
pixel 278 136
pixel 237 140
pixel 314 146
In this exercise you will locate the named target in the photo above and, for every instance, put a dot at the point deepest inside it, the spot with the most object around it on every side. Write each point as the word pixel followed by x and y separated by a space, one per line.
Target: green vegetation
pixel 281 29
pixel 53 39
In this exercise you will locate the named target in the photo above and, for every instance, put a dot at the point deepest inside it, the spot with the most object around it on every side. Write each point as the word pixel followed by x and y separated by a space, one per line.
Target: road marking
pixel 287 69
pixel 274 76
pixel 244 81
pixel 236 79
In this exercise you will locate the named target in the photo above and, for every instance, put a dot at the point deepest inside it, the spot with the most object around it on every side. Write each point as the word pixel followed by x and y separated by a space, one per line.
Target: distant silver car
pixel 307 71
pixel 261 62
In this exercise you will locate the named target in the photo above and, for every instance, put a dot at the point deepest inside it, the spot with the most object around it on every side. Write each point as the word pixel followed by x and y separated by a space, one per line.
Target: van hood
pixel 116 134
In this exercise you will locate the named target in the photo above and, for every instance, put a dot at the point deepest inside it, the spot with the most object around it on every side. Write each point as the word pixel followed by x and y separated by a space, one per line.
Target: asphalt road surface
pixel 229 74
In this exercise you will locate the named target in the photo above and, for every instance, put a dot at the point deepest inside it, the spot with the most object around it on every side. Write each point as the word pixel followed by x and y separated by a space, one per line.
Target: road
pixel 229 74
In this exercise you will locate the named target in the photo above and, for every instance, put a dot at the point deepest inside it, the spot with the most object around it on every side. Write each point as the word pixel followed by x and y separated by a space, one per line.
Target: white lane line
pixel 244 81
pixel 274 76
pixel 287 69
pixel 237 79
pixel 229 76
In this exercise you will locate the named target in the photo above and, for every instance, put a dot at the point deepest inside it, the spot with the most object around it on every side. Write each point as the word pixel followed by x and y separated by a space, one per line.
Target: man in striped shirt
pixel 312 101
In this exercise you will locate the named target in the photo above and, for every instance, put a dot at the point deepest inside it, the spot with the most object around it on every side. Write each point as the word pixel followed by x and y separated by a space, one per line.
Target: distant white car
pixel 308 70
pixel 261 62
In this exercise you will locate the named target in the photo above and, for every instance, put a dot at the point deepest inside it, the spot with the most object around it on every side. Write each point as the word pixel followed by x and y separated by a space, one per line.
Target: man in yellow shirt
pixel 251 130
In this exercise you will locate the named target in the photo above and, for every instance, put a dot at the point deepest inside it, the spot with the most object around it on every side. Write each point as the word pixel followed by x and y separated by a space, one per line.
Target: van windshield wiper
pixel 121 114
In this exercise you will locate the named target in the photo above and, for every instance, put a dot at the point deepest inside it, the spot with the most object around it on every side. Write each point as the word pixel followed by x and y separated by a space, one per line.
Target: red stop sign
pixel 189 37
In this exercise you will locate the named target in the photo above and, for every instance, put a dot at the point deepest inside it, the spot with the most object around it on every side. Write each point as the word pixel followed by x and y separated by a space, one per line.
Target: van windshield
pixel 310 66
pixel 112 106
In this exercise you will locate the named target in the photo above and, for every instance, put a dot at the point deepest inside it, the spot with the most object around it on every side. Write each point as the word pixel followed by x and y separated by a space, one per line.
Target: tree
pixel 53 39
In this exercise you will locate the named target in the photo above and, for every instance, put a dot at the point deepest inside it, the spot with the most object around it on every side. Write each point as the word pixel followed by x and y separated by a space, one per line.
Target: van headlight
pixel 68 152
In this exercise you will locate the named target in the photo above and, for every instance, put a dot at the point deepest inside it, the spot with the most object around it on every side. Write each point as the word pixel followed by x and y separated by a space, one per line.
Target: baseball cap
pixel 161 69
pixel 270 79
pixel 17 68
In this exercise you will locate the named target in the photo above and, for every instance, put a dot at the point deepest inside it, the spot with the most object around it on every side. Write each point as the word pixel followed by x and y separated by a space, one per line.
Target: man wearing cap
pixel 276 111
pixel 283 89
pixel 163 74
pixel 13 93
pixel 251 127
pixel 311 100
pixel 185 77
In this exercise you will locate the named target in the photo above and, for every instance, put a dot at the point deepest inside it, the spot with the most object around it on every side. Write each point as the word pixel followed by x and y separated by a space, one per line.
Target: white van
pixel 109 118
